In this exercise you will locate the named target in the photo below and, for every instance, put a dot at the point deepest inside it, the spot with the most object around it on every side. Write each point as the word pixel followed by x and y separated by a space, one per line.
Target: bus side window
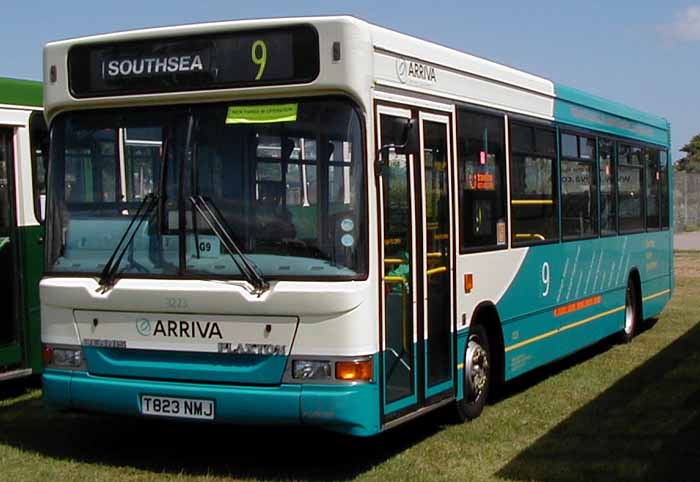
pixel 482 186
pixel 652 178
pixel 579 195
pixel 630 177
pixel 608 187
pixel 533 185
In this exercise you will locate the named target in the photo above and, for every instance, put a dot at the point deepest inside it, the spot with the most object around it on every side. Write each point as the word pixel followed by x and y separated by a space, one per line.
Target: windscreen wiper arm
pixel 108 275
pixel 212 216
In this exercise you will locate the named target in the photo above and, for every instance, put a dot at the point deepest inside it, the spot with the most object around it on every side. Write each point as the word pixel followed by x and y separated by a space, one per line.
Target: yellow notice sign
pixel 261 114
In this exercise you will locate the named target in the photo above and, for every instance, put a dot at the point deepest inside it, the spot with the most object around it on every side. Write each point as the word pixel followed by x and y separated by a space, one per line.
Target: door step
pixel 25 372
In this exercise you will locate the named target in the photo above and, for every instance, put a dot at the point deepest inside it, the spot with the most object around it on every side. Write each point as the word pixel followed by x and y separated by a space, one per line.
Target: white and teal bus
pixel 323 222
pixel 23 142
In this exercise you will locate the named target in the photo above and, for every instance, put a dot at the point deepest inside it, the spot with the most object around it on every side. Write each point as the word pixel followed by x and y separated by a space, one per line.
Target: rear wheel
pixel 632 312
pixel 477 375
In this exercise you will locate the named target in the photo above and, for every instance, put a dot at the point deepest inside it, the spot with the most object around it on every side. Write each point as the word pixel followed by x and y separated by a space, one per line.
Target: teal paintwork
pixel 579 270
pixel 172 365
pixel 408 401
pixel 347 409
pixel 350 409
pixel 462 338
pixel 577 108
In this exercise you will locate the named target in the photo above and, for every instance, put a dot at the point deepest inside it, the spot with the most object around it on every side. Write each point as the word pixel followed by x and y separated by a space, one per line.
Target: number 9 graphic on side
pixel 258 54
pixel 545 278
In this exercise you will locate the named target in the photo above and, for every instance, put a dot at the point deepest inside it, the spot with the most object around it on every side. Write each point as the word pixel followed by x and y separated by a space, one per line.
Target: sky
pixel 644 53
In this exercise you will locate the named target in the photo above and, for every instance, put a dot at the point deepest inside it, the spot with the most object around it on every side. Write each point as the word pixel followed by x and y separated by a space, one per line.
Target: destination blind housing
pixel 225 60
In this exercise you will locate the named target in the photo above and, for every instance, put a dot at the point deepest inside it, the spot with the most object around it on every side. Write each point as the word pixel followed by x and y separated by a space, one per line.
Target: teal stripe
pixel 577 108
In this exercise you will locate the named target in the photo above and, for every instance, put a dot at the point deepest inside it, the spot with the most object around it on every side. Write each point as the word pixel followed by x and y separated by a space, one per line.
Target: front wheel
pixel 477 375
pixel 632 313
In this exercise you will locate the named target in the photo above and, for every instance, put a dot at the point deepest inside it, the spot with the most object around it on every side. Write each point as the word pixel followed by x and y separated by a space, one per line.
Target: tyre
pixel 632 312
pixel 477 375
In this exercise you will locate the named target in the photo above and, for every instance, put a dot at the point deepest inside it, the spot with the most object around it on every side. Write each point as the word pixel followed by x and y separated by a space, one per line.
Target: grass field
pixel 610 412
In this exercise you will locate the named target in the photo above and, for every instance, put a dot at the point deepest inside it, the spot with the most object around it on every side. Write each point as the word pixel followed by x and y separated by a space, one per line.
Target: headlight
pixel 63 357
pixel 311 369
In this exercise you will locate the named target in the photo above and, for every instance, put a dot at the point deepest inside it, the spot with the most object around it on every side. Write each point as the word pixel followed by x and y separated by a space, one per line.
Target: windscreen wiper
pixel 109 272
pixel 217 223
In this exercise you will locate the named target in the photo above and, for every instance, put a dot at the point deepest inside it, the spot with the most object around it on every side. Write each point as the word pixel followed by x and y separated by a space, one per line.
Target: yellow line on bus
pixel 578 323
pixel 532 340
pixel 656 295
pixel 592 318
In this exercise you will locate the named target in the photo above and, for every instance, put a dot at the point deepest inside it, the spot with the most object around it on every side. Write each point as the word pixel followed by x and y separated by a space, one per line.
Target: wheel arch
pixel 486 314
pixel 637 280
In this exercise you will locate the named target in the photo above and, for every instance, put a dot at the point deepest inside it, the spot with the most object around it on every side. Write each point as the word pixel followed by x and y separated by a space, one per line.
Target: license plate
pixel 177 407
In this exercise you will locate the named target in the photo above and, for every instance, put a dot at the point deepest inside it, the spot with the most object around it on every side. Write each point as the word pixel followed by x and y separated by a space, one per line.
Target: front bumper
pixel 350 409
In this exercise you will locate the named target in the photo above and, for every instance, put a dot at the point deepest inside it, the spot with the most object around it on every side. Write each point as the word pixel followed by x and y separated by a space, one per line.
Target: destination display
pixel 215 61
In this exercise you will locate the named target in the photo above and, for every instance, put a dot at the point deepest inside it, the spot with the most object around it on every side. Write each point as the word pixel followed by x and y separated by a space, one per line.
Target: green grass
pixel 609 412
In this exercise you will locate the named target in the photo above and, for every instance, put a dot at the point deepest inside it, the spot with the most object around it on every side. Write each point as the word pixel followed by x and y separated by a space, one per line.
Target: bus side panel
pixel 656 293
pixel 569 295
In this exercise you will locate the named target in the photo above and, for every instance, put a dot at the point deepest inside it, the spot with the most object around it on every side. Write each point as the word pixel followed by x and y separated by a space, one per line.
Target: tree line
pixel 691 161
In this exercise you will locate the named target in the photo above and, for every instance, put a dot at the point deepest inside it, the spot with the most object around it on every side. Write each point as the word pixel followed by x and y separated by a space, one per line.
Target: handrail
pixel 395 279
pixel 395 261
pixel 530 235
pixel 439 269
pixel 525 202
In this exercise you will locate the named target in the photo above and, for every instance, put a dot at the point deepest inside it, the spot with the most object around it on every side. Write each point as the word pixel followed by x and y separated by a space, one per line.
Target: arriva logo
pixel 144 327
pixel 178 328
pixel 408 70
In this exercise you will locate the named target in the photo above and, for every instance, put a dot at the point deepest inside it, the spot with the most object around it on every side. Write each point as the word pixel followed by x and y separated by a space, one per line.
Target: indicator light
pixel 354 370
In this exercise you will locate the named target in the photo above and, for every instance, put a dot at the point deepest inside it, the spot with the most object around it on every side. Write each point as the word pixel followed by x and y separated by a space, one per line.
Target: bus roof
pixel 20 92
pixel 569 105
pixel 432 52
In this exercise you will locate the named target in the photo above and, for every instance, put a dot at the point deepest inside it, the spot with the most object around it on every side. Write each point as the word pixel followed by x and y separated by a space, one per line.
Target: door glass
pixel 7 334
pixel 398 287
pixel 437 235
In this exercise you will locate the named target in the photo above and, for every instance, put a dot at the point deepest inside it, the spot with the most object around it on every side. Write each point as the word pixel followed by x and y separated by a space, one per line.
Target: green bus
pixel 23 141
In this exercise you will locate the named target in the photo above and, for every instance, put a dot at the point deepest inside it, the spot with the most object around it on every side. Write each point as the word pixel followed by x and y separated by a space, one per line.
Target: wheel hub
pixel 477 368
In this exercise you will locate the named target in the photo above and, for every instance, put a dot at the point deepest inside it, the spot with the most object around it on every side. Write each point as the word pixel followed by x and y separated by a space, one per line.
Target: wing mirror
pixel 410 144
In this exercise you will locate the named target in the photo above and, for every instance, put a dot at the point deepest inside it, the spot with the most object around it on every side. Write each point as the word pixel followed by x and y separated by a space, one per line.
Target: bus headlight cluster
pixel 63 357
pixel 311 369
pixel 332 370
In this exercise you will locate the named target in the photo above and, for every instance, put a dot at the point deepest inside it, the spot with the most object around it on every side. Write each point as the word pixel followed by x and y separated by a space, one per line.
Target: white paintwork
pixel 18 121
pixel 235 329
pixel 419 101
pixel 493 272
pixel 466 88
pixel 332 315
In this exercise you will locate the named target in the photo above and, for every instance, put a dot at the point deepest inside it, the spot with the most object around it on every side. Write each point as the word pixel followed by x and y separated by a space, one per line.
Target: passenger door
pixel 436 222
pixel 417 283
pixel 10 350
